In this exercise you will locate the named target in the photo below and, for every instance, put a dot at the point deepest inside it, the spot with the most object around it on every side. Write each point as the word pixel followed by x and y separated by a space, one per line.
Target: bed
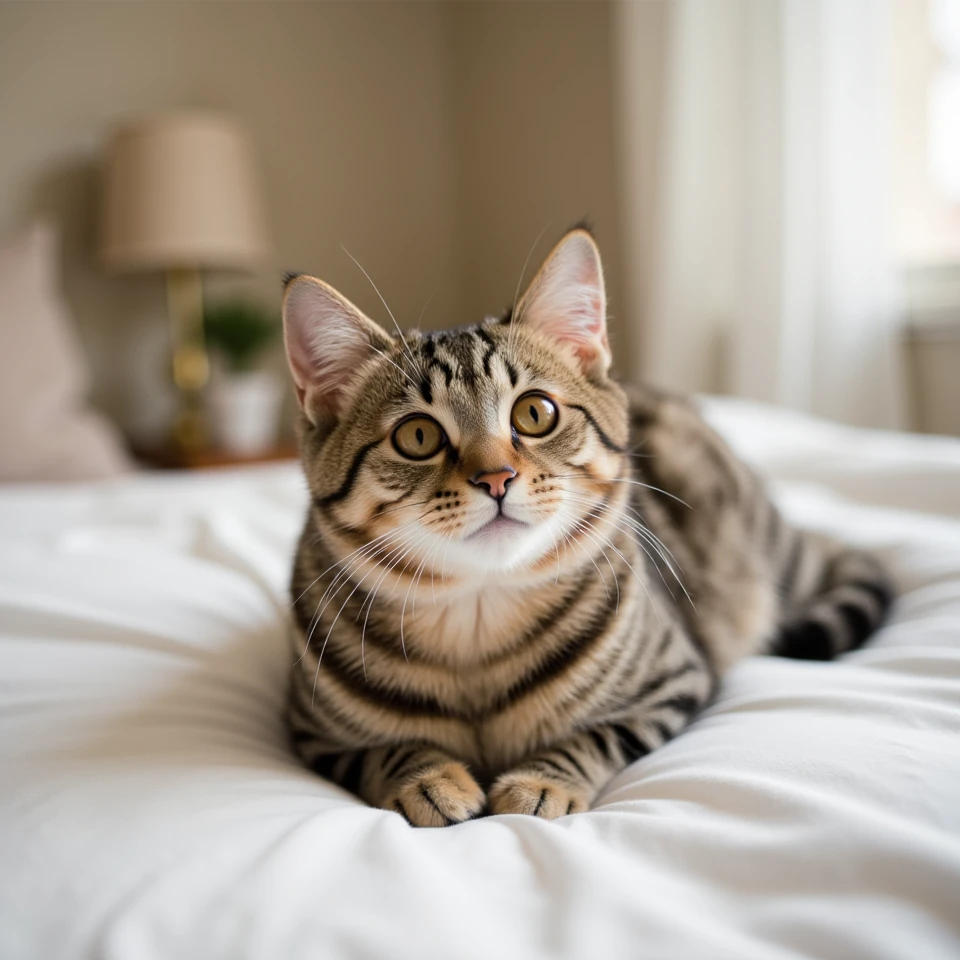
pixel 150 806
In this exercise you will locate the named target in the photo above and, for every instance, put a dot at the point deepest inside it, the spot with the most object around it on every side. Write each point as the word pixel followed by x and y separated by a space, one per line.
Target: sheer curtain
pixel 769 261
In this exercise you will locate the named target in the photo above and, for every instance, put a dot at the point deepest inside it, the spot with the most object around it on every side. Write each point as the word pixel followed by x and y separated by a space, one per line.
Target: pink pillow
pixel 47 431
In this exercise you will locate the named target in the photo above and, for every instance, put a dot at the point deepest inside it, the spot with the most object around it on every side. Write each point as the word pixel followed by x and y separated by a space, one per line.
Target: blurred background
pixel 774 184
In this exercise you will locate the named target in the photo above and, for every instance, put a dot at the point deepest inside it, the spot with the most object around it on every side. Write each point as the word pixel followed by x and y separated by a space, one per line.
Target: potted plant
pixel 244 398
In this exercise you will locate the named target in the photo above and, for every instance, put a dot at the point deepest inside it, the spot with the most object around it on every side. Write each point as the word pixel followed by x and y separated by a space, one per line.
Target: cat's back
pixel 713 529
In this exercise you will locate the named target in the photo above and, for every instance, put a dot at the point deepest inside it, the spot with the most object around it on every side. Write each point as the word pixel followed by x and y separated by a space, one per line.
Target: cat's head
pixel 483 449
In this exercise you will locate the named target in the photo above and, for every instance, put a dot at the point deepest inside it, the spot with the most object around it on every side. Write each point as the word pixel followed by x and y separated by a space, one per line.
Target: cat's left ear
pixel 567 301
pixel 328 341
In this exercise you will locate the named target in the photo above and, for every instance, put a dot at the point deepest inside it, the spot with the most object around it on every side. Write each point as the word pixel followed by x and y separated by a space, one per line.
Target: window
pixel 926 55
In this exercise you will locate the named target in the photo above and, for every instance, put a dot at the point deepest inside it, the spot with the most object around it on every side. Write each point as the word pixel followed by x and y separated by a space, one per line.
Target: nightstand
pixel 170 458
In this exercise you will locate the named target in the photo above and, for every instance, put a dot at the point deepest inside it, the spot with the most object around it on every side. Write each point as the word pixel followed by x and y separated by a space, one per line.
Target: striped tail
pixel 852 603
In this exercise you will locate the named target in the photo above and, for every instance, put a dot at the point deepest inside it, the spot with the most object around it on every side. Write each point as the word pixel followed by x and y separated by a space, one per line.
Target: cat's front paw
pixel 438 796
pixel 532 793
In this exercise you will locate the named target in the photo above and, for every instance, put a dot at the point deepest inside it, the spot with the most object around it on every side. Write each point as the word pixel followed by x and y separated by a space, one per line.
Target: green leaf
pixel 240 330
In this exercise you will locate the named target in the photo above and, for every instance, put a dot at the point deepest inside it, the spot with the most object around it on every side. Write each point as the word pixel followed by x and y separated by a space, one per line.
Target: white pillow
pixel 47 431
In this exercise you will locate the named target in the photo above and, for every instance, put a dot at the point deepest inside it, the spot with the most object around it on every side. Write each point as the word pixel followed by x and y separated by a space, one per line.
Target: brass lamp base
pixel 191 368
pixel 189 429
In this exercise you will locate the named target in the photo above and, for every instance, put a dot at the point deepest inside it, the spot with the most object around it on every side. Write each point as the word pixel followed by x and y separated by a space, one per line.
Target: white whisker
pixel 514 319
pixel 613 547
pixel 583 550
pixel 646 534
pixel 576 476
pixel 387 308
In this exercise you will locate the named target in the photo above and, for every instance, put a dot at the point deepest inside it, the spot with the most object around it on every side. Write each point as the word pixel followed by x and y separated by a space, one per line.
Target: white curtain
pixel 769 260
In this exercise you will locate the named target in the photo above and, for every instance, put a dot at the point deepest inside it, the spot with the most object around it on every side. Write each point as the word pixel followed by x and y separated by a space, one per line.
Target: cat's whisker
pixel 443 565
pixel 639 579
pixel 643 532
pixel 514 319
pixel 403 644
pixel 330 631
pixel 372 548
pixel 322 606
pixel 344 575
pixel 385 513
pixel 646 532
pixel 403 339
pixel 433 586
pixel 332 567
pixel 666 493
pixel 635 525
pixel 575 542
pixel 394 363
pixel 368 602
pixel 659 547
pixel 343 607
pixel 600 545
pixel 414 580
pixel 662 550
pixel 423 309
pixel 639 520
pixel 385 573
pixel 578 525
pixel 375 540
pixel 433 570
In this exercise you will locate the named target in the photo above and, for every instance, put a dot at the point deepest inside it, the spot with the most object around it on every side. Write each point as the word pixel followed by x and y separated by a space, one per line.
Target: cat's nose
pixel 495 481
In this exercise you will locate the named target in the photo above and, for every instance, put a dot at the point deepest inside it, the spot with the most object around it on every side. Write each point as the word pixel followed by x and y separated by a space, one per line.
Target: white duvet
pixel 150 807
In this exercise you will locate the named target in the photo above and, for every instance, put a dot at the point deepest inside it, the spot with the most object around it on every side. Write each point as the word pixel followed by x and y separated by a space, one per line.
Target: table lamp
pixel 180 196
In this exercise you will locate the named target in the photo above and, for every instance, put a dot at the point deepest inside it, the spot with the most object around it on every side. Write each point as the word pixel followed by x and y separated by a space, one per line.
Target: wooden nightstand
pixel 169 458
pixel 932 341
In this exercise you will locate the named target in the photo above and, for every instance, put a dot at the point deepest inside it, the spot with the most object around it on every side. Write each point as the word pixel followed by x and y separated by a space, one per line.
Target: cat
pixel 516 576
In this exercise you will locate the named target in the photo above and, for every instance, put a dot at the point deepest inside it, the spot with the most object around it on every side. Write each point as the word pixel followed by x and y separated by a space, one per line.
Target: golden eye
pixel 534 415
pixel 419 438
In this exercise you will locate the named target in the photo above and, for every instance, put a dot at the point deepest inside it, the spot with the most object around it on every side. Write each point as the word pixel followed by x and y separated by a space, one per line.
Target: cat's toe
pixel 531 793
pixel 439 796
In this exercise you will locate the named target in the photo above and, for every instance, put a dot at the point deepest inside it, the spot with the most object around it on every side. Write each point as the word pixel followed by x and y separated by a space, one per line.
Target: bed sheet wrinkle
pixel 150 808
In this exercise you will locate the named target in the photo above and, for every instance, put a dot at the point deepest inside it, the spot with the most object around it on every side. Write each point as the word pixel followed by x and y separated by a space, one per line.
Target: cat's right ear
pixel 328 339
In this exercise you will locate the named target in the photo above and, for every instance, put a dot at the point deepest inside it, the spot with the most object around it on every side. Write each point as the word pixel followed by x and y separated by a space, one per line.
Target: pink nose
pixel 495 482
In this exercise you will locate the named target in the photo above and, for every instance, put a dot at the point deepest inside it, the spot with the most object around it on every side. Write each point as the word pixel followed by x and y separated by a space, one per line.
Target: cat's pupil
pixel 420 436
pixel 534 414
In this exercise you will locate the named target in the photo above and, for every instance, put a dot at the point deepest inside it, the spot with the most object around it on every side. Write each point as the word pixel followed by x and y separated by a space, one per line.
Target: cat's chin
pixel 499 530
pixel 501 545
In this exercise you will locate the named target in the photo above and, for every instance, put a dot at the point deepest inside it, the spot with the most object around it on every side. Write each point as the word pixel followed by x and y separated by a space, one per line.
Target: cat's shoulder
pixel 651 407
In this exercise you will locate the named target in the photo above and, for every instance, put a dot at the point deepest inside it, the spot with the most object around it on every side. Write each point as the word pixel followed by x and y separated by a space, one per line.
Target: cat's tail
pixel 852 602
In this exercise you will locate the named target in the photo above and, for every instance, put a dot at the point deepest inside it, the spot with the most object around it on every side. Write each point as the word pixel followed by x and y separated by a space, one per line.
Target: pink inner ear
pixel 596 312
pixel 327 342
pixel 567 303
pixel 298 356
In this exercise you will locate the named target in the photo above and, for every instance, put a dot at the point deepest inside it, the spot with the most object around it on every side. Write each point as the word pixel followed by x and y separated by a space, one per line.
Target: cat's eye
pixel 419 438
pixel 534 415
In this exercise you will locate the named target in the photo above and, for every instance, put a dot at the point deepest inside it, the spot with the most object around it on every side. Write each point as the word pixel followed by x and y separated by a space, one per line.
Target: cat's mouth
pixel 499 526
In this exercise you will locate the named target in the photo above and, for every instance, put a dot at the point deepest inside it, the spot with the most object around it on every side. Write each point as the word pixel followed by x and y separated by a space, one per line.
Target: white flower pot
pixel 244 411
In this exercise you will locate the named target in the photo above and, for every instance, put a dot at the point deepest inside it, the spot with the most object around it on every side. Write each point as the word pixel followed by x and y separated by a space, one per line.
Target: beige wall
pixel 640 36
pixel 346 105
pixel 434 140
pixel 533 87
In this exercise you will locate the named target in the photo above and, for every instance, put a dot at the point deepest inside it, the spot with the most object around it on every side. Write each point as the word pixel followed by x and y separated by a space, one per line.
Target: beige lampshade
pixel 180 191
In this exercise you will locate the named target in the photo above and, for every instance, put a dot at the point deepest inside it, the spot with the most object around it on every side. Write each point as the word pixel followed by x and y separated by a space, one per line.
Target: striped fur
pixel 444 667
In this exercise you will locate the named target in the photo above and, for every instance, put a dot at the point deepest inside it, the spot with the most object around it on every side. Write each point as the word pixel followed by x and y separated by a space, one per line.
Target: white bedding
pixel 150 807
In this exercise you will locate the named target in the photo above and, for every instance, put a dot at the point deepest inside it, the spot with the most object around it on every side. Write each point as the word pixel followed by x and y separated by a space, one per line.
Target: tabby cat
pixel 516 576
